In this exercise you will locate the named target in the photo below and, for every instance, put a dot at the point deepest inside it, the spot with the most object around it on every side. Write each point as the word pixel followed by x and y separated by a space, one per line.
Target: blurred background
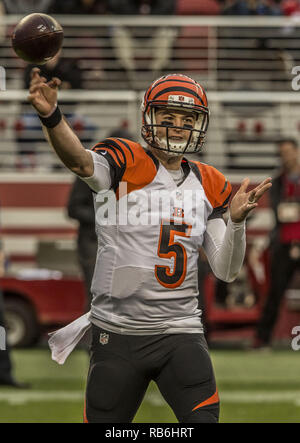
pixel 245 53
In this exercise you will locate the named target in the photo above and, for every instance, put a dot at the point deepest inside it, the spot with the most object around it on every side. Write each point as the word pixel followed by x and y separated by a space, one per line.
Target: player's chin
pixel 164 154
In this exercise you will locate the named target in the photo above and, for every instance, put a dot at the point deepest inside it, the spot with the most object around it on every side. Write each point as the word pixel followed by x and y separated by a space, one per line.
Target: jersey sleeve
pixel 101 178
pixel 225 248
pixel 217 189
pixel 128 162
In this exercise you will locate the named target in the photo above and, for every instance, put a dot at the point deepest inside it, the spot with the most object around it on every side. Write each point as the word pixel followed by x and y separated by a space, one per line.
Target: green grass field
pixel 253 387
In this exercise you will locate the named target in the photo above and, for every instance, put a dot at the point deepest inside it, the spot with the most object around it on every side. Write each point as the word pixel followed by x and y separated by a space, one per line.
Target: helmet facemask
pixel 196 138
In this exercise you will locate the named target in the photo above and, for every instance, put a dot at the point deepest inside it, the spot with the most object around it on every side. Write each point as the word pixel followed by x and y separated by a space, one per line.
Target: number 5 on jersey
pixel 168 248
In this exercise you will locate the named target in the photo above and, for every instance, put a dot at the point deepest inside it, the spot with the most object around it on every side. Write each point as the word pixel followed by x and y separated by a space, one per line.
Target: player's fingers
pixel 35 100
pixel 251 197
pixel 262 190
pixel 256 193
pixel 38 80
pixel 54 83
pixel 34 72
pixel 34 91
pixel 250 205
pixel 32 98
pixel 263 183
pixel 244 185
pixel 35 76
pixel 34 88
pixel 39 86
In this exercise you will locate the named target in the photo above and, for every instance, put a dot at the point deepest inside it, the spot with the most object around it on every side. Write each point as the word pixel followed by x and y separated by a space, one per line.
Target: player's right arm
pixel 43 97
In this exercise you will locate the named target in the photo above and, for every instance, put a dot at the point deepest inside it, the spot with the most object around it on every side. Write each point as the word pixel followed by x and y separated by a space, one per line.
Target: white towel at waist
pixel 63 341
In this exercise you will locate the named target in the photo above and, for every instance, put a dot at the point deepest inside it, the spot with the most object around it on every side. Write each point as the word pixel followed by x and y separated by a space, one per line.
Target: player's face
pixel 288 155
pixel 171 117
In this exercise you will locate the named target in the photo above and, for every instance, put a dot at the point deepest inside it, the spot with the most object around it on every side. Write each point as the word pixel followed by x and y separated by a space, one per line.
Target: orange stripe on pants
pixel 211 400
pixel 85 420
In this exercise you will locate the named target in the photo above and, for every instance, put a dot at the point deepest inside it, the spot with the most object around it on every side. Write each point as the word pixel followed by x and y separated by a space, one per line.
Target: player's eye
pixel 167 123
pixel 188 125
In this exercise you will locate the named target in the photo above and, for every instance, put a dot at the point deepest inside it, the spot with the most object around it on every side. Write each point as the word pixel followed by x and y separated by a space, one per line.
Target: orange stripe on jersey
pixel 140 171
pixel 216 187
pixel 210 401
pixel 125 146
pixel 117 147
pixel 129 162
pixel 111 152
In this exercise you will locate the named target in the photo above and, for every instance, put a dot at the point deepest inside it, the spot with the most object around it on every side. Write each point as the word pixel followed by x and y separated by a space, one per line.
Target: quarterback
pixel 144 316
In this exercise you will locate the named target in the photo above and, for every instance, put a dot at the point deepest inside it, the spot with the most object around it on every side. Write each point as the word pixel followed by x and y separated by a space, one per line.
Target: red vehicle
pixel 35 306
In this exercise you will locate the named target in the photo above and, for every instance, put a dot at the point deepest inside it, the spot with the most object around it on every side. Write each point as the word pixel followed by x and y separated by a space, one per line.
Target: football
pixel 37 38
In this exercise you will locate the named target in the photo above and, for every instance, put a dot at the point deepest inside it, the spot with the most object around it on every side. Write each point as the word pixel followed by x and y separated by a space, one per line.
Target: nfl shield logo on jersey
pixel 179 195
pixel 103 338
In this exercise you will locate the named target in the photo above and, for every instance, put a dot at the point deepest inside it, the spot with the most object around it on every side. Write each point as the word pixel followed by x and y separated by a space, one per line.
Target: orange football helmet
pixel 176 91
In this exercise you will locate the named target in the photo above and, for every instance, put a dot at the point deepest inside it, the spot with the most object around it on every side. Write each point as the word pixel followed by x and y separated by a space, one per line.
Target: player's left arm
pixel 225 246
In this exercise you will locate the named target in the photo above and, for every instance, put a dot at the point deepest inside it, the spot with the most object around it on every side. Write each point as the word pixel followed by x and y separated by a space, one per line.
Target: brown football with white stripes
pixel 37 38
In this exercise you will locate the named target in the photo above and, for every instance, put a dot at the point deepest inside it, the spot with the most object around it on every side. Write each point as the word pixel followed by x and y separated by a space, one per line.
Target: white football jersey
pixel 149 233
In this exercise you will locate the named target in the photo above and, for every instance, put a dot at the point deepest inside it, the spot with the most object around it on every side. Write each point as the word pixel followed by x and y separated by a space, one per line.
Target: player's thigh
pixel 114 389
pixel 187 382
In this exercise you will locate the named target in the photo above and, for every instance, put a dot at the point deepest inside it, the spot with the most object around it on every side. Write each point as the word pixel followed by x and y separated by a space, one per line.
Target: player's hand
pixel 43 94
pixel 243 202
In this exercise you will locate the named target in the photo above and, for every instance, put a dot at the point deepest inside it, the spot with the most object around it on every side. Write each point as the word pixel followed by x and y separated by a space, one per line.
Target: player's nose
pixel 178 123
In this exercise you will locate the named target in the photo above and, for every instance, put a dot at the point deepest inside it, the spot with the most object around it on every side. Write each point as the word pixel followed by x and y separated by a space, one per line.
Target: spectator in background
pixel 6 376
pixel 155 44
pixel 78 7
pixel 285 238
pixel 251 7
pixel 290 7
pixel 66 69
pixel 22 7
pixel 196 7
pixel 81 208
pixel 26 6
pixel 144 7
pixel 122 131
pixel 2 27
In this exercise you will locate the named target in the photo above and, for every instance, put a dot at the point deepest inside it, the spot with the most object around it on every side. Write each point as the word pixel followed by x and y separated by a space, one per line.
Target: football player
pixel 145 320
